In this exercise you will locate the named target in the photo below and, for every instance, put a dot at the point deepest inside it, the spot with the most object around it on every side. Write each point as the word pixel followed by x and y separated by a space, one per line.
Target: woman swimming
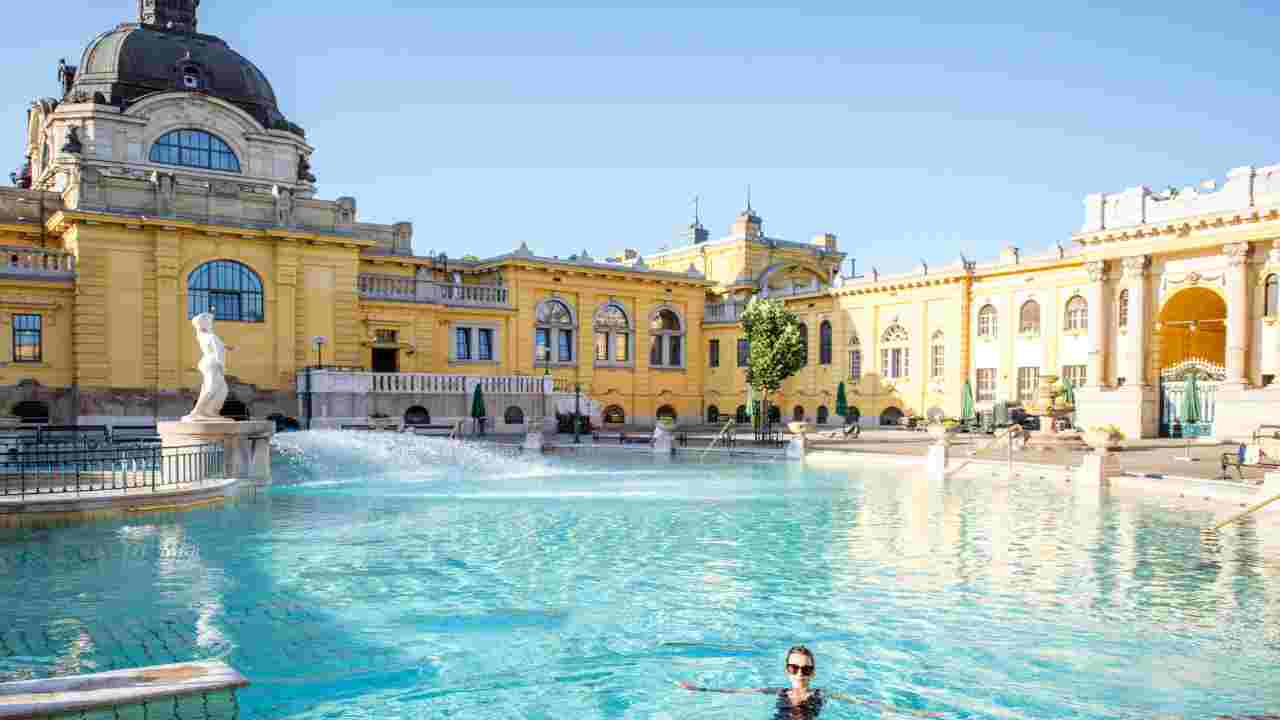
pixel 801 702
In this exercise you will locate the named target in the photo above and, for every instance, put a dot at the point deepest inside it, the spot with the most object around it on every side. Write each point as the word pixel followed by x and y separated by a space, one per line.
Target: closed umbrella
pixel 751 403
pixel 477 407
pixel 1068 391
pixel 1190 410
pixel 966 402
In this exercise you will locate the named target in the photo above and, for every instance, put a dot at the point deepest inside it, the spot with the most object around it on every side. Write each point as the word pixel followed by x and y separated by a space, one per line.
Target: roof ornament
pixel 175 15
pixel 696 219
pixel 523 250
pixel 926 266
pixel 748 198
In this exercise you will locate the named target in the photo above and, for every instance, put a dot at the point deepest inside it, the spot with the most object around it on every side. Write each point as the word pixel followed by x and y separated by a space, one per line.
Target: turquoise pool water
pixel 388 577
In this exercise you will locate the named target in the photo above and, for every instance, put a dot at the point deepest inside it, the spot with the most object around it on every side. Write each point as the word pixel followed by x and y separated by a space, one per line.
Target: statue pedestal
pixel 936 461
pixel 663 441
pixel 247 444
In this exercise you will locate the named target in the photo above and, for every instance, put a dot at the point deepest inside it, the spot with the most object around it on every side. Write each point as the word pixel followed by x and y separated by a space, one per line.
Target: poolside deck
pixel 117 688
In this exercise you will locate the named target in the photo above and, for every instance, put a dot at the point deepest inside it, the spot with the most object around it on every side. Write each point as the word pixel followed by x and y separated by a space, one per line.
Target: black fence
pixel 769 435
pixel 75 467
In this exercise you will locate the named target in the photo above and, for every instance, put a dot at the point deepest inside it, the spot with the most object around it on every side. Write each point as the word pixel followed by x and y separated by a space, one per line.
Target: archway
pixel 31 411
pixel 713 414
pixel 853 416
pixel 417 415
pixel 823 414
pixel 890 416
pixel 1190 339
pixel 513 416
pixel 615 415
pixel 740 415
pixel 1191 325
pixel 798 413
pixel 666 411
pixel 233 408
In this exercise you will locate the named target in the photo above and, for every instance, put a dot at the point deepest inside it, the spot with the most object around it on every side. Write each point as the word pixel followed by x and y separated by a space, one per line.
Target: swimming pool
pixel 389 576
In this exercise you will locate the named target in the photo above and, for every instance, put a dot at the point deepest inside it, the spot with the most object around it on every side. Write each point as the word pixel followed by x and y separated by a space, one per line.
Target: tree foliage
pixel 776 352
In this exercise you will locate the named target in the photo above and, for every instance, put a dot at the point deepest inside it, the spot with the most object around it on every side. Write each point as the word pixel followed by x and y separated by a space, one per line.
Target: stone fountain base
pixel 246 444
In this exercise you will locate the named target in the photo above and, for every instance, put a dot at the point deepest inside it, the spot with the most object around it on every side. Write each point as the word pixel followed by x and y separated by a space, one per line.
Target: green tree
pixel 842 403
pixel 775 350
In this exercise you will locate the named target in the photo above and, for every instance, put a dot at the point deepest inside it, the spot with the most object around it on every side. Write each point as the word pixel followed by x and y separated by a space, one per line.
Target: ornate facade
pixel 164 180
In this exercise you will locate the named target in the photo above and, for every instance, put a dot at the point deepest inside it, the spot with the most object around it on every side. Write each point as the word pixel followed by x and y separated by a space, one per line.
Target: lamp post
pixel 544 353
pixel 577 412
pixel 319 341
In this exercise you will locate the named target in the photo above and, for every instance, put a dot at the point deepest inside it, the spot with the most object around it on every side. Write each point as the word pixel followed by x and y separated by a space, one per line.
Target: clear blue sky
pixel 947 127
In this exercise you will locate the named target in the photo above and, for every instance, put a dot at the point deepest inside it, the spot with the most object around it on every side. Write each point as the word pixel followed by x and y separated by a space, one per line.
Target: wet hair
pixel 802 650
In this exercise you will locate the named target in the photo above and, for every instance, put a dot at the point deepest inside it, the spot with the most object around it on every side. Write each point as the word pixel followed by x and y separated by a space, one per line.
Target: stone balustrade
pixel 724 312
pixel 408 289
pixel 36 262
pixel 1245 187
pixel 342 381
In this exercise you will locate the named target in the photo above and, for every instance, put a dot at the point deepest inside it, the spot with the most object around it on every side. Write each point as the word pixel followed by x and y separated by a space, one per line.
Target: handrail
pixel 716 439
pixel 973 454
pixel 1250 511
pixel 456 432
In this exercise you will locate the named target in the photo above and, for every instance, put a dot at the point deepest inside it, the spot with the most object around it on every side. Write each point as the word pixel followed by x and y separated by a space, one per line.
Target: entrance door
pixel 386 360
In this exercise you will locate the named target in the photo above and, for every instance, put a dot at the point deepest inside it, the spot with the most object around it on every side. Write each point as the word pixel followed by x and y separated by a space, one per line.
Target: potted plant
pixel 1103 437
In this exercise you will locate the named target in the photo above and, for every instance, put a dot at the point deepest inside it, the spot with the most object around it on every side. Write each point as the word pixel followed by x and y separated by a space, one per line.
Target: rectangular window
pixel 986 385
pixel 621 347
pixel 384 337
pixel 463 349
pixel 484 344
pixel 566 346
pixel 936 371
pixel 744 352
pixel 27 338
pixel 542 345
pixel 602 346
pixel 855 365
pixel 713 353
pixel 1028 384
pixel 1077 374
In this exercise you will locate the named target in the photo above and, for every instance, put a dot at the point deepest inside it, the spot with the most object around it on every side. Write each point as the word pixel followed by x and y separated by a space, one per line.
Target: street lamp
pixel 577 412
pixel 318 341
pixel 544 354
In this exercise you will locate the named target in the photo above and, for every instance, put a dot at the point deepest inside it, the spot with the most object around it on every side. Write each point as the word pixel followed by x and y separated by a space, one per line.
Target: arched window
pixel 855 358
pixel 1077 314
pixel 823 414
pixel 798 413
pixel 1123 308
pixel 895 355
pixel 890 416
pixel 740 415
pixel 938 352
pixel 1029 318
pixel 666 411
pixel 854 415
pixel 553 333
pixel 713 414
pixel 194 148
pixel 987 321
pixel 824 343
pixel 229 290
pixel 804 344
pixel 513 416
pixel 1271 297
pixel 666 339
pixel 613 334
pixel 614 415
pixel 417 415
pixel 31 411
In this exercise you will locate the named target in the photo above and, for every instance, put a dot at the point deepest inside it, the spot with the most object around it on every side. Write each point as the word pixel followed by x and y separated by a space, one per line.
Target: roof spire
pixel 748 197
pixel 696 218
pixel 175 15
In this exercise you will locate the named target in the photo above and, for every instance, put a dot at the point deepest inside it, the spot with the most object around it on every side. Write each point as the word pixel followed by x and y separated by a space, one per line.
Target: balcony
pixel 723 312
pixel 36 263
pixel 407 289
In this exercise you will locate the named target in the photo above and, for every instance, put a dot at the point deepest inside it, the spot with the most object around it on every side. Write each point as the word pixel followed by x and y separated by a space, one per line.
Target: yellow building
pixel 156 189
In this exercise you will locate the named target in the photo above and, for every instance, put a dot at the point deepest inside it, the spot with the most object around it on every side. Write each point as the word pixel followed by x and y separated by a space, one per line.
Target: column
pixel 1097 323
pixel 170 310
pixel 1237 311
pixel 1135 281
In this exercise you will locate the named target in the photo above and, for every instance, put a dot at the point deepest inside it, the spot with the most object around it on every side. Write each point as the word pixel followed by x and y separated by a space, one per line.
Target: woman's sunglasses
pixel 801 669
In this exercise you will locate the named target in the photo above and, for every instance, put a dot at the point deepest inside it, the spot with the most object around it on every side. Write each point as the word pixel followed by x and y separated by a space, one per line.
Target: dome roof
pixel 134 60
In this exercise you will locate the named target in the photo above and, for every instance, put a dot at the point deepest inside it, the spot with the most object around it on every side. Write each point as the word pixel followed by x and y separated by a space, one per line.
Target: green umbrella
pixel 1068 391
pixel 966 402
pixel 1190 401
pixel 477 404
pixel 842 403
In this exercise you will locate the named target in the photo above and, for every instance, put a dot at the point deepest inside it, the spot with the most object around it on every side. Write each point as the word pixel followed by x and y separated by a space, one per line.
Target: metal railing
pixel 75 467
pixel 410 289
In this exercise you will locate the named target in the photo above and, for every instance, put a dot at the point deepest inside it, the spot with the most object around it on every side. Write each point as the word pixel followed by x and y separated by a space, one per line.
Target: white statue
pixel 213 388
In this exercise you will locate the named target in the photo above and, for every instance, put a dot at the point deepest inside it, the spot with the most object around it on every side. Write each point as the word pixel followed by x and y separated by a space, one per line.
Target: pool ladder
pixel 716 439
